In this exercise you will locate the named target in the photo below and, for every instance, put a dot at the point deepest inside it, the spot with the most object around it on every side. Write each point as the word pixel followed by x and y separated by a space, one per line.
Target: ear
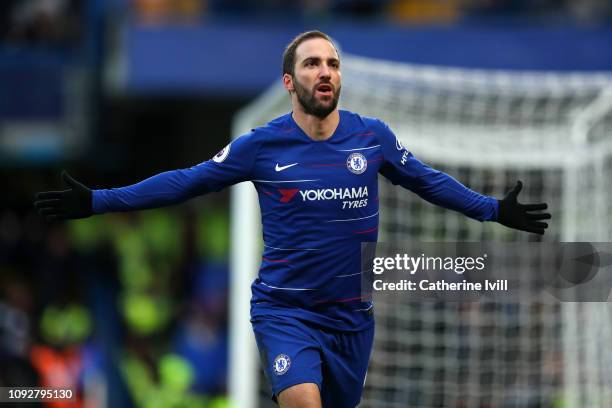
pixel 288 82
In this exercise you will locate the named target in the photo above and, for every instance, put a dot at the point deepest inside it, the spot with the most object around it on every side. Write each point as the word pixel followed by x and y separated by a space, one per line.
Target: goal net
pixel 488 129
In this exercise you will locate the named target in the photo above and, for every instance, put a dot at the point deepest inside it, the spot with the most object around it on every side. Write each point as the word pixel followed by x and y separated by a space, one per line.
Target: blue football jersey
pixel 319 201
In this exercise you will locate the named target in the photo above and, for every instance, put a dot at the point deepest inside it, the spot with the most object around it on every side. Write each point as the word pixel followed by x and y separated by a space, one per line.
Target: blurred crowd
pixel 127 310
pixel 58 22
pixel 41 22
pixel 408 11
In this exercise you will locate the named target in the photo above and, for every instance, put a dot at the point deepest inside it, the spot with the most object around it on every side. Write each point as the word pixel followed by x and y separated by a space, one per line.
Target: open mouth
pixel 325 89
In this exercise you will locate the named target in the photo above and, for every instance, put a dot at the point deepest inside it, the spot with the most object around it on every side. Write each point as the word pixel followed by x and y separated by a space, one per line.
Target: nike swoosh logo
pixel 281 168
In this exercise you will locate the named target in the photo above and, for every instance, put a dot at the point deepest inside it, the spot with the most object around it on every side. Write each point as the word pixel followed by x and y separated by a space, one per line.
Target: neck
pixel 316 128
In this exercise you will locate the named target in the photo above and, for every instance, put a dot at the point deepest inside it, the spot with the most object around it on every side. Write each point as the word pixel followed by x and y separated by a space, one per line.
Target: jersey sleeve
pixel 233 164
pixel 402 168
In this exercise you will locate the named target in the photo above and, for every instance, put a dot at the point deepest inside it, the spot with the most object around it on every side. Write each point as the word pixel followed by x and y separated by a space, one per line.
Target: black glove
pixel 76 202
pixel 522 217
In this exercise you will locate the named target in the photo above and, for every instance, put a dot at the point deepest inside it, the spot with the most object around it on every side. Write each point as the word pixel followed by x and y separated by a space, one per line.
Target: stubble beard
pixel 311 105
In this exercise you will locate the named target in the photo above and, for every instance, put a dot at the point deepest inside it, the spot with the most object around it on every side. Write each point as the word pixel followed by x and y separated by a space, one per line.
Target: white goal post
pixel 487 129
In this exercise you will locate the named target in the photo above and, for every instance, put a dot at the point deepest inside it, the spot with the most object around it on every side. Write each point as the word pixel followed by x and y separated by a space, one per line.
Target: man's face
pixel 317 78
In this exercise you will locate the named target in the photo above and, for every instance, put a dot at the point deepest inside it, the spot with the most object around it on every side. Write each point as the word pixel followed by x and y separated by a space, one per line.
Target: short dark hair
pixel 289 54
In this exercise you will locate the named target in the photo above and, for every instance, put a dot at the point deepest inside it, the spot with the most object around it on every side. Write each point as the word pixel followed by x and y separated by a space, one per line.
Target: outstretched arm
pixel 402 168
pixel 171 187
pixel 441 189
pixel 78 201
